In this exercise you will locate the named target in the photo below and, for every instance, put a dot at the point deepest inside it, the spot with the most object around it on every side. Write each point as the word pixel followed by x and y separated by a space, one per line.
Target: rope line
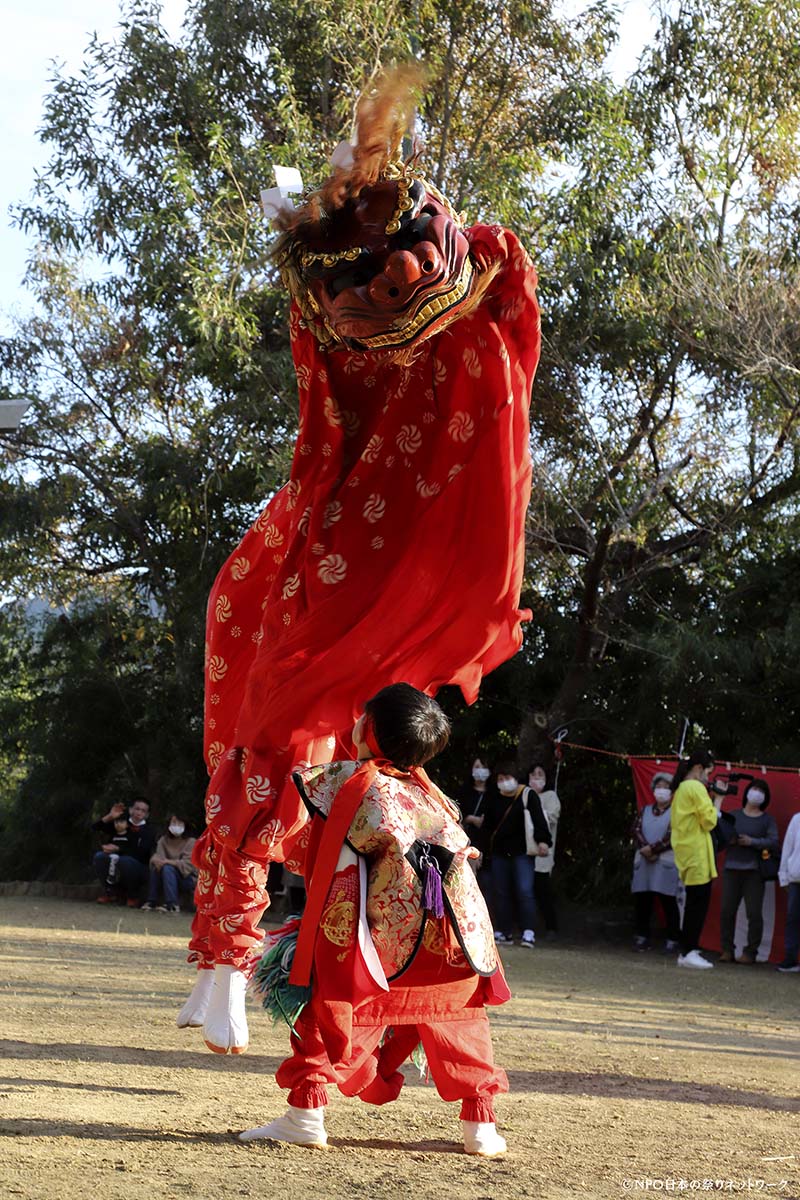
pixel 729 765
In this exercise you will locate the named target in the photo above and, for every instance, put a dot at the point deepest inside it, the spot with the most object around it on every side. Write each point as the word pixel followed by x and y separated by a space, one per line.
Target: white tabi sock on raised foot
pixel 225 1026
pixel 300 1126
pixel 481 1137
pixel 193 1013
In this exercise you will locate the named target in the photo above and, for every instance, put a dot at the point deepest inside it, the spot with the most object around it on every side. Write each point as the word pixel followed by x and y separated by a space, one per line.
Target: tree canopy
pixel 662 213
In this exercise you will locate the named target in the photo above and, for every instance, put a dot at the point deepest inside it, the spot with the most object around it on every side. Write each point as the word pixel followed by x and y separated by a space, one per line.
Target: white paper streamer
pixel 275 200
pixel 288 179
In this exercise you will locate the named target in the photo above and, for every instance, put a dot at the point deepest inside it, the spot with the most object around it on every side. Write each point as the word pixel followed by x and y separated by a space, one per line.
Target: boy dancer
pixel 395 940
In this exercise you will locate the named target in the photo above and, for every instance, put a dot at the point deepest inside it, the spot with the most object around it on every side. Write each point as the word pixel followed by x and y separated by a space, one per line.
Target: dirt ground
pixel 627 1076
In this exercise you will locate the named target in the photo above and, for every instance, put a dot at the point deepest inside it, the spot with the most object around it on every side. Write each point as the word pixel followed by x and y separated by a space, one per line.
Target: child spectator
pixel 124 845
pixel 396 931
pixel 171 868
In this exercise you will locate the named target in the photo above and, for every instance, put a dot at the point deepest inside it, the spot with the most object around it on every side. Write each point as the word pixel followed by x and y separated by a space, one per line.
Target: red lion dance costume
pixel 395 551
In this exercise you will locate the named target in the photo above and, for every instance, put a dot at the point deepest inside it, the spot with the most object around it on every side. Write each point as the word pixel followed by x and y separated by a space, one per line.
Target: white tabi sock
pixel 481 1137
pixel 193 1013
pixel 300 1126
pixel 225 1026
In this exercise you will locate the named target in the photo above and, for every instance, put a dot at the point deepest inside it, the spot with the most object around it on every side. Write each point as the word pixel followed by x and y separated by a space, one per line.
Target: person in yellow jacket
pixel 694 815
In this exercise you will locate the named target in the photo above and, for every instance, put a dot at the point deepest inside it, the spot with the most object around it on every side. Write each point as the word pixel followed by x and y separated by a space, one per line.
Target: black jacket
pixel 475 804
pixel 141 839
pixel 505 835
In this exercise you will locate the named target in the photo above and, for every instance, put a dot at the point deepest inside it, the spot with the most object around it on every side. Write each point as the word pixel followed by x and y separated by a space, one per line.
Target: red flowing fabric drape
pixel 395 552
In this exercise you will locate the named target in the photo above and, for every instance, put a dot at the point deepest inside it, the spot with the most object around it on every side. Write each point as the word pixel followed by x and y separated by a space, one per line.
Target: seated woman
pixel 171 868
pixel 654 870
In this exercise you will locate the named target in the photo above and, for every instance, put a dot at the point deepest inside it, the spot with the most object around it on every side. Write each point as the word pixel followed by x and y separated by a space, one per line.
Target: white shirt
pixel 789 870
pixel 551 807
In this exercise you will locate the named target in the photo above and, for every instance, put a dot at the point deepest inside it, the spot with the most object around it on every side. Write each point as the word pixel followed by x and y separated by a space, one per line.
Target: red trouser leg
pixel 204 857
pixel 387 1081
pixel 459 1055
pixel 231 897
pixel 308 1069
pixel 461 1063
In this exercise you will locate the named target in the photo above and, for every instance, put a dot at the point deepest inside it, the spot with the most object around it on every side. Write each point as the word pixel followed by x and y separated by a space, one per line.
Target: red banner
pixel 784 786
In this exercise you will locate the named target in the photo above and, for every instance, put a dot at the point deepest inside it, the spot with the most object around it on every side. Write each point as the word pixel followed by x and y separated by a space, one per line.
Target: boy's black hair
pixel 409 727
pixel 121 817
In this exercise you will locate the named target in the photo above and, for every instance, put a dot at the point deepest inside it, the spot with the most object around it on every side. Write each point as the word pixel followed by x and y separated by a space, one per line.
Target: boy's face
pixel 139 811
pixel 121 825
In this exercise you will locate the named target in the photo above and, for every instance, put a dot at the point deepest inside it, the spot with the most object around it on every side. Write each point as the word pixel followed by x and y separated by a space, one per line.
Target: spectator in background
pixel 654 870
pixel 473 801
pixel 512 855
pixel 130 867
pixel 543 864
pixel 789 877
pixel 171 868
pixel 474 804
pixel 755 833
pixel 693 817
pixel 122 847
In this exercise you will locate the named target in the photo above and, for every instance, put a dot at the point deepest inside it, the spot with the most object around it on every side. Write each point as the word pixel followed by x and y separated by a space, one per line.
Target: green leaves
pixel 662 216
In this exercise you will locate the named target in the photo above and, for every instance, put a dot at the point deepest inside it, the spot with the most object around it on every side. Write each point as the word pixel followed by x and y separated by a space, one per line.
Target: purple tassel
pixel 433 890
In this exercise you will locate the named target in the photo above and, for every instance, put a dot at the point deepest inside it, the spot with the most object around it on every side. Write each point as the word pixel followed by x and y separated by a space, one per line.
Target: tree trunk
pixel 535 736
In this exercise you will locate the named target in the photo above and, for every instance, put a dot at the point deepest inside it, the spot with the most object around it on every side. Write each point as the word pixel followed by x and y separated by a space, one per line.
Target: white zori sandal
pixel 482 1138
pixel 299 1126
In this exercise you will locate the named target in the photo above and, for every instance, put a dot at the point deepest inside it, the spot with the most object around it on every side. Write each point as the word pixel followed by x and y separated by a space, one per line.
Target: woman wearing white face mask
pixel 512 863
pixel 654 870
pixel 171 868
pixel 474 803
pixel 742 879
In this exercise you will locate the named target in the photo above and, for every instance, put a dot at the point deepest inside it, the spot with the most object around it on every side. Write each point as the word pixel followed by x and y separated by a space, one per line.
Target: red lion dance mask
pixel 388 269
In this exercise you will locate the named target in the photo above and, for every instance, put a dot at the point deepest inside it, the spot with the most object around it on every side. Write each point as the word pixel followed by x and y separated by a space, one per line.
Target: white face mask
pixel 756 796
pixel 481 774
pixel 536 784
pixel 662 794
pixel 507 786
pixel 176 830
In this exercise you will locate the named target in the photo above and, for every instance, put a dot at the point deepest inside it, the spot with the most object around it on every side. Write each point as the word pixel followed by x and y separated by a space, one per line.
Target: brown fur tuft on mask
pixel 383 115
